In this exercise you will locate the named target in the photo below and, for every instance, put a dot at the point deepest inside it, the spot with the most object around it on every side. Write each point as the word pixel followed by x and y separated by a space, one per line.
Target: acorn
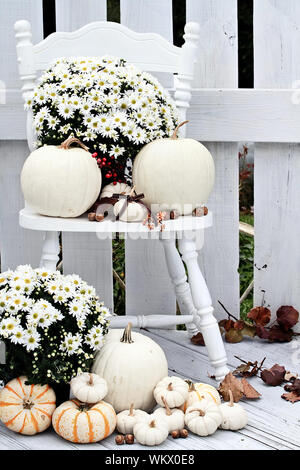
pixel 119 440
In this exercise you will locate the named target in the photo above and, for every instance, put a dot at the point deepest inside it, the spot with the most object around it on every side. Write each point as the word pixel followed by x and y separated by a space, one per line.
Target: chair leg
pixel 50 251
pixel 202 301
pixel 179 280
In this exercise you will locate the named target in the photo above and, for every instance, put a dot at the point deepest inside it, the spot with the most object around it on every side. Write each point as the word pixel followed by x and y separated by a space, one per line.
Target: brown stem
pixel 201 412
pixel 168 411
pixel 126 338
pixel 131 410
pixel 174 135
pixel 72 140
pixel 152 424
pixel 91 381
pixel 231 397
pixel 228 313
pixel 132 191
pixel 170 387
pixel 191 386
pixel 27 404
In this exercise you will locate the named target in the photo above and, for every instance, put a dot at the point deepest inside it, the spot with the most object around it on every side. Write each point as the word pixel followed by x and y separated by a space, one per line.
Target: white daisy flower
pixel 31 339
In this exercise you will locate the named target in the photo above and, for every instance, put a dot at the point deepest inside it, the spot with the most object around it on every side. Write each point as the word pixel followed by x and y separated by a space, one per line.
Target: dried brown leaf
pixel 260 315
pixel 289 376
pixel 287 317
pixel 198 339
pixel 233 336
pixel 277 334
pixel 273 376
pixel 291 396
pixel 231 383
pixel 249 391
pixel 249 330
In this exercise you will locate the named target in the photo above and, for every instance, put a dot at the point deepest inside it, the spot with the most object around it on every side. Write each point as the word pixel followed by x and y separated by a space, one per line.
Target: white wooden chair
pixel 152 53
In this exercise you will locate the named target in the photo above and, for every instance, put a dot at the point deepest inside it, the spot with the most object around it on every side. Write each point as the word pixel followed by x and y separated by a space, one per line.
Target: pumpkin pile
pixel 130 373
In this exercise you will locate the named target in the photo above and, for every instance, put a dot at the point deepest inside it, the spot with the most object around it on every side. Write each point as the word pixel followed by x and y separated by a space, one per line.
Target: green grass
pixel 246 264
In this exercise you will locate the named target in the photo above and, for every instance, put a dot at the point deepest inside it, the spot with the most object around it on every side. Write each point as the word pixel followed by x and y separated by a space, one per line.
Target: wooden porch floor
pixel 273 422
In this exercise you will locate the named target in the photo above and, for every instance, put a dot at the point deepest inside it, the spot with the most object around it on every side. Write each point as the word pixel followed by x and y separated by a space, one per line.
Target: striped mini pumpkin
pixel 83 423
pixel 200 391
pixel 26 409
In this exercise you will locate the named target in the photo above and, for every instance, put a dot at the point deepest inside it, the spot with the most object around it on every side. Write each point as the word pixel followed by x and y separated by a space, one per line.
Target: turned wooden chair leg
pixel 202 301
pixel 179 280
pixel 50 251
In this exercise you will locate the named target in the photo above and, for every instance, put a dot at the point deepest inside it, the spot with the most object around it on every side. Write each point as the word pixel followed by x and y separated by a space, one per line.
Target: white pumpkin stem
pixel 168 411
pixel 152 424
pixel 72 140
pixel 191 386
pixel 131 410
pixel 174 135
pixel 132 191
pixel 231 403
pixel 201 412
pixel 126 338
pixel 170 387
pixel 91 381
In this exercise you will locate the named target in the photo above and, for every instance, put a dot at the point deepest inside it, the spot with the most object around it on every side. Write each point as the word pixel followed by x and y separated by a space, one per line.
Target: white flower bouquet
pixel 51 325
pixel 110 105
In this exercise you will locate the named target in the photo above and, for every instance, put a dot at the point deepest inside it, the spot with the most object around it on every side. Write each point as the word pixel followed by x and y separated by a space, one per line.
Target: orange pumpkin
pixel 82 423
pixel 26 409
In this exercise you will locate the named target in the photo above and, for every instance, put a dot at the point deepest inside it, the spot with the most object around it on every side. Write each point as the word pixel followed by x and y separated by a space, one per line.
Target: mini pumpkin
pixel 234 416
pixel 26 409
pixel 131 211
pixel 200 391
pixel 118 188
pixel 203 417
pixel 126 419
pixel 174 417
pixel 88 387
pixel 82 423
pixel 151 431
pixel 174 390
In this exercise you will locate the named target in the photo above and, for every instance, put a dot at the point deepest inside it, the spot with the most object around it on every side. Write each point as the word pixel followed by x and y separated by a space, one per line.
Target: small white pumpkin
pixel 234 416
pixel 88 387
pixel 126 419
pixel 199 391
pixel 173 390
pixel 61 181
pixel 203 418
pixel 132 364
pixel 134 212
pixel 119 188
pixel 174 174
pixel 151 431
pixel 174 417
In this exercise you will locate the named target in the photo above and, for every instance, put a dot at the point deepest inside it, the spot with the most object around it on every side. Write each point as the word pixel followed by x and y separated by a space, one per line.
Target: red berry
pixel 115 175
pixel 104 159
pixel 112 157
pixel 109 163
pixel 95 154
pixel 114 182
pixel 107 176
pixel 98 160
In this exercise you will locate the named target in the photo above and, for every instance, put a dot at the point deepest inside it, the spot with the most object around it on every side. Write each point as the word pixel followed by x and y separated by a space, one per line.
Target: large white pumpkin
pixel 61 181
pixel 174 173
pixel 132 364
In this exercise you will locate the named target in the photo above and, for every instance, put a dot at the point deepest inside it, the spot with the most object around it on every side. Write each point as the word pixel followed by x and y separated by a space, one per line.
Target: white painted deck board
pixel 273 422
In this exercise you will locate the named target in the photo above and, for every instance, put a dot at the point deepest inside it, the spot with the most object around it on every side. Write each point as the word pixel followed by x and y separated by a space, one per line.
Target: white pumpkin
pixel 234 416
pixel 203 417
pixel 61 181
pixel 126 419
pixel 88 388
pixel 151 431
pixel 132 364
pixel 134 212
pixel 174 417
pixel 199 391
pixel 118 188
pixel 172 390
pixel 174 174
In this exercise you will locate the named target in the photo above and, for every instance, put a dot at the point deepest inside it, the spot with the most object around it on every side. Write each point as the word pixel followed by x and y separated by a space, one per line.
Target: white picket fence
pixel 221 116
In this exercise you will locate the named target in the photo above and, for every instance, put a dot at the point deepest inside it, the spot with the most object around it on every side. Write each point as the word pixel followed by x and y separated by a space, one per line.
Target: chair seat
pixel 33 221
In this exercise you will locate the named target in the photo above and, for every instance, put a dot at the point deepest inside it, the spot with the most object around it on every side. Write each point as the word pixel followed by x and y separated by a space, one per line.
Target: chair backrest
pixel 149 51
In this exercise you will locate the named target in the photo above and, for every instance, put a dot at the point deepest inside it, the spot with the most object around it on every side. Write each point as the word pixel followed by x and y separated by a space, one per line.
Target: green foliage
pixel 119 267
pixel 246 264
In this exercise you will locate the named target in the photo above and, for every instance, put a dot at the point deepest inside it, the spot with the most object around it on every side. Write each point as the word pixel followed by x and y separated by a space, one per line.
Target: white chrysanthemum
pixel 31 339
pixel 71 343
pixel 17 336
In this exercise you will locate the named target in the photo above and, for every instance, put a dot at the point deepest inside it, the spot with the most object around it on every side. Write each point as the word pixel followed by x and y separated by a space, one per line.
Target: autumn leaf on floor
pixel 248 390
pixel 233 336
pixel 273 376
pixel 260 315
pixel 291 396
pixel 231 383
pixel 198 339
pixel 293 387
pixel 248 369
pixel 289 376
pixel 276 333
pixel 287 317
